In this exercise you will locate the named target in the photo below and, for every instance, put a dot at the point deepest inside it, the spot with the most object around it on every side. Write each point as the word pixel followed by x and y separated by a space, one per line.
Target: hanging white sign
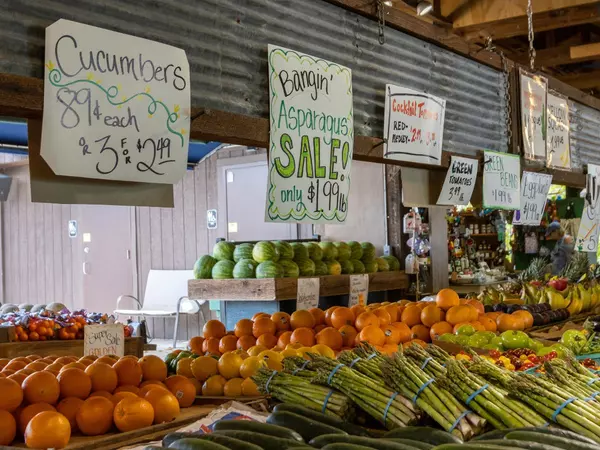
pixel 413 125
pixel 459 182
pixel 533 115
pixel 308 293
pixel 587 237
pixel 501 187
pixel 558 149
pixel 311 138
pixel 534 193
pixel 116 107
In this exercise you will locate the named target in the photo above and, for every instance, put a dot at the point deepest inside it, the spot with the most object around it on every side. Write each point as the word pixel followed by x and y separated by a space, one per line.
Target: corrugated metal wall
pixel 585 135
pixel 226 43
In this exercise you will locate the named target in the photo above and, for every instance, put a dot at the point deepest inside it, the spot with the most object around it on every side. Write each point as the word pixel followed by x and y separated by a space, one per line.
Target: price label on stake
pixel 101 340
pixel 459 182
pixel 359 289
pixel 308 293
pixel 534 192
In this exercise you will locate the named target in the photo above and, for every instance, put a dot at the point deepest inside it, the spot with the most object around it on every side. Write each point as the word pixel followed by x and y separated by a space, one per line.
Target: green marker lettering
pixel 305 158
pixel 319 169
pixel 286 145
pixel 335 144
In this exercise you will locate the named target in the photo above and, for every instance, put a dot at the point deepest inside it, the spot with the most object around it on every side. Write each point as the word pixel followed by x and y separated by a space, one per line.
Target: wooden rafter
pixel 583 80
pixel 564 54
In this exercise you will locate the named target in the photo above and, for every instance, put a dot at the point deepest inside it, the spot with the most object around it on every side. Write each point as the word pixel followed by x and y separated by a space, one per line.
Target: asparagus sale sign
pixel 311 138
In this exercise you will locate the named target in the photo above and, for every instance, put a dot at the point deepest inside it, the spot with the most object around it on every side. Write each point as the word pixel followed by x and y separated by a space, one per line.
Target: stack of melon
pixel 280 259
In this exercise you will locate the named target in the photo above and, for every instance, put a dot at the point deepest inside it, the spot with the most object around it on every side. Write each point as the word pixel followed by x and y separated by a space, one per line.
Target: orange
pixel 107 360
pixel 318 328
pixel 54 368
pixel 74 383
pixel 459 314
pixel 488 323
pixel 48 429
pixel 392 334
pixel 166 406
pixel 118 396
pixel 211 345
pixel 95 416
pixel 415 342
pixel 255 351
pixel 229 365
pixel 41 387
pixel 384 316
pixel 184 391
pixel 267 340
pixel 446 299
pixel 411 315
pixel 281 320
pixel 65 360
pixel 233 388
pixel 389 349
pixel 148 387
pixel 405 333
pixel 366 319
pixel 477 325
pixel 372 334
pixel 195 344
pixel 319 316
pixel 4 362
pixel 477 305
pixel 249 388
pixel 16 365
pixel 129 371
pixel 493 315
pixel 214 328
pixel 272 359
pixel 8 428
pixel 474 314
pixel 68 407
pixel 349 334
pixel 357 310
pixel 263 325
pixel 342 316
pixel 438 329
pixel 228 343
pixel 284 339
pixel 431 315
pixel 29 412
pixel 132 414
pixel 526 316
pixel 73 365
pixel 19 377
pixel 302 319
pixel 213 387
pixel 506 322
pixel 251 365
pixel 243 328
pixel 394 312
pixel 331 337
pixel 328 313
pixel 128 388
pixel 303 335
pixel 245 342
pixel 154 368
pixel 36 366
pixel 104 377
pixel 260 314
pixel 420 332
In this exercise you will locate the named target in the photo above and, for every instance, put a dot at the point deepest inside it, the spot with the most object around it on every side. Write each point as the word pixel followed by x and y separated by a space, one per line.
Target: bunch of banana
pixel 555 299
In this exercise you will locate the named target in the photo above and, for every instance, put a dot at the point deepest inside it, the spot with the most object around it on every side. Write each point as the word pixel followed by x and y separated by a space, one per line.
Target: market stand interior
pixel 339 336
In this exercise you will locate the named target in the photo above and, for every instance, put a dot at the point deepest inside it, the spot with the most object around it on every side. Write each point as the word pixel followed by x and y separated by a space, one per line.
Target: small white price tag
pixel 459 182
pixel 308 293
pixel 101 340
pixel 359 289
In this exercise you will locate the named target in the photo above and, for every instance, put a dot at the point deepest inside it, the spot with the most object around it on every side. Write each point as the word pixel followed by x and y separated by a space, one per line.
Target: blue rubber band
pixel 547 424
pixel 371 356
pixel 269 381
pixel 427 360
pixel 326 400
pixel 354 361
pixel 592 397
pixel 476 393
pixel 561 407
pixel 421 389
pixel 332 373
pixel 302 367
pixel 457 421
pixel 444 365
pixel 387 407
pixel 591 381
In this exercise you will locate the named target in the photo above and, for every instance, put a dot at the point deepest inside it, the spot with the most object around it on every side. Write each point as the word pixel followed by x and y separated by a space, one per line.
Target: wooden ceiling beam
pixel 543 21
pixel 583 80
pixel 563 54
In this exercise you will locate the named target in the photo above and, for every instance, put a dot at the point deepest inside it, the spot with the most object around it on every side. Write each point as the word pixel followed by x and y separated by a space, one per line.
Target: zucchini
pixel 307 428
pixel 258 427
pixel 172 437
pixel 521 444
pixel 560 433
pixel 377 444
pixel 417 444
pixel 196 444
pixel 229 442
pixel 494 434
pixel 473 446
pixel 355 430
pixel 423 434
pixel 262 440
pixel 345 446
pixel 549 439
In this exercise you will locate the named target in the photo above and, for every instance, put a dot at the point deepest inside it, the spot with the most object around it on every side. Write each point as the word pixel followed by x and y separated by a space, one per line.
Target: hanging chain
pixel 489 46
pixel 530 34
pixel 381 20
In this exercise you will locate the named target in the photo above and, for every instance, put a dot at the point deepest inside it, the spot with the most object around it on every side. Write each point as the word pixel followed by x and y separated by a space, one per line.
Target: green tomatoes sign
pixel 311 138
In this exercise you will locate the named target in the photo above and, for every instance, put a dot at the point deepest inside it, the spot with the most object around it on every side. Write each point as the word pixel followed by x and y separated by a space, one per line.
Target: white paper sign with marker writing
pixel 533 115
pixel 558 148
pixel 359 289
pixel 413 125
pixel 587 237
pixel 501 181
pixel 311 138
pixel 308 293
pixel 101 340
pixel 459 182
pixel 534 194
pixel 116 107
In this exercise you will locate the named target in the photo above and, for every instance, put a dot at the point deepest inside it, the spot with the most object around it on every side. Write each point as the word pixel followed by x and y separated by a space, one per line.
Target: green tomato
pixel 466 330
pixel 477 341
pixel 497 341
pixel 462 339
pixel 488 335
pixel 514 339
pixel 559 349
pixel 574 340
pixel 448 337
pixel 544 351
pixel 493 347
pixel 536 345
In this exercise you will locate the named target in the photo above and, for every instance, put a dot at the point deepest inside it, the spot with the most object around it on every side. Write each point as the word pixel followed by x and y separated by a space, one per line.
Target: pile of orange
pixel 46 399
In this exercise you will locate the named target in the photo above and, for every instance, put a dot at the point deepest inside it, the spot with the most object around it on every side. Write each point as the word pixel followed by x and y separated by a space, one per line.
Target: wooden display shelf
pixel 133 346
pixel 484 235
pixel 286 288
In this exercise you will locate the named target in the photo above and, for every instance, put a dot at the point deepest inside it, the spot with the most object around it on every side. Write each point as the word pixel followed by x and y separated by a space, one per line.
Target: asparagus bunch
pixel 300 391
pixel 298 366
pixel 389 408
pixel 365 359
pixel 578 385
pixel 404 375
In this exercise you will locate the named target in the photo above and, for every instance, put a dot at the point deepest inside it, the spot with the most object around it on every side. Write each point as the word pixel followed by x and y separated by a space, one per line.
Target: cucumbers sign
pixel 311 138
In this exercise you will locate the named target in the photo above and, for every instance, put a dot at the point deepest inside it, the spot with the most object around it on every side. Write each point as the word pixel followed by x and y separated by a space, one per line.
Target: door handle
pixel 85 268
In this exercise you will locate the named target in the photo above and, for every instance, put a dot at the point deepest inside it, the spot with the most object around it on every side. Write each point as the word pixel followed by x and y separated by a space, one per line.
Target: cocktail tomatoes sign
pixel 116 107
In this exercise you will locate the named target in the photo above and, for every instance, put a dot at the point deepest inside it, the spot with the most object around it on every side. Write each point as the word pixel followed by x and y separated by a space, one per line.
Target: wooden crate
pixel 286 288
pixel 133 346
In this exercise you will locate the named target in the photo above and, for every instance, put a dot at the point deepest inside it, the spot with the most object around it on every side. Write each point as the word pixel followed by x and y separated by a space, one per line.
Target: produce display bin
pixel 286 288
